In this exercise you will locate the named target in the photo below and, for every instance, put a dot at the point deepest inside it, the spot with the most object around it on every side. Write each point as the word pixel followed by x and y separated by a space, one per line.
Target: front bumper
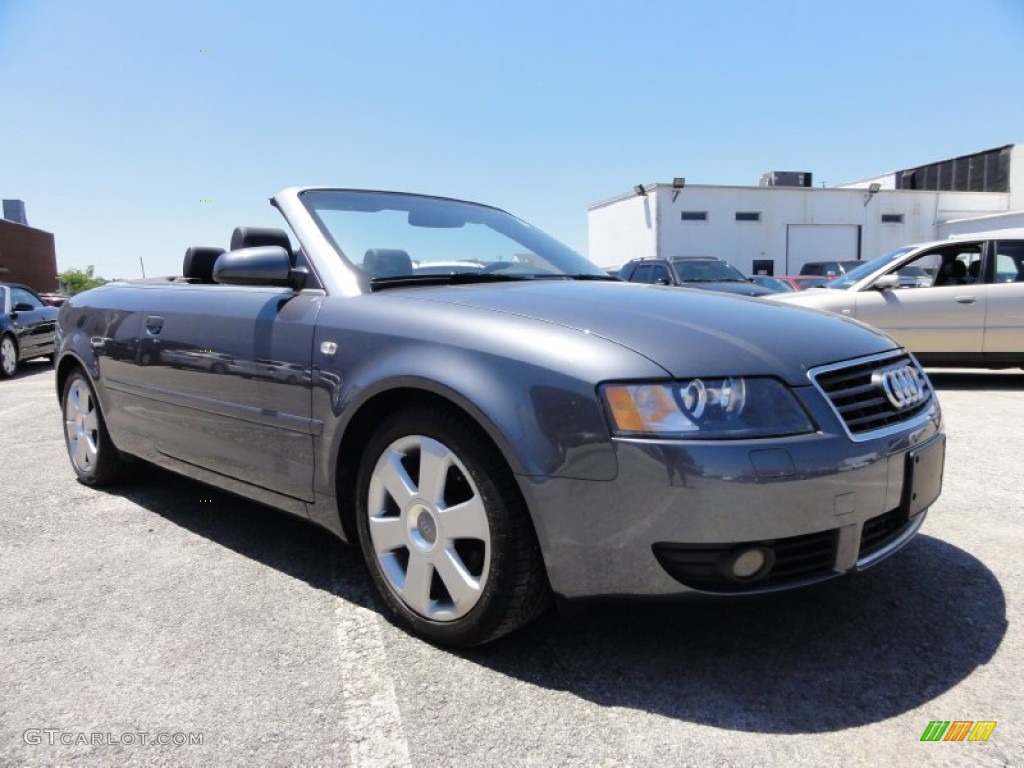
pixel 820 504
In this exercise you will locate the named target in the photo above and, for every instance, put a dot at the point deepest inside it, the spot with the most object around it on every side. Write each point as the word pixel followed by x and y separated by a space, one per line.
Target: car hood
pixel 686 332
pixel 833 300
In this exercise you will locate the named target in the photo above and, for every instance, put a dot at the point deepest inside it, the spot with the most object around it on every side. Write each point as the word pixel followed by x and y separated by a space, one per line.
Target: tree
pixel 72 281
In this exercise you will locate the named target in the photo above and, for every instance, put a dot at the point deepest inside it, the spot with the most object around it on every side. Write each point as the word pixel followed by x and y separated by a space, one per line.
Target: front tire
pixel 93 456
pixel 8 357
pixel 444 531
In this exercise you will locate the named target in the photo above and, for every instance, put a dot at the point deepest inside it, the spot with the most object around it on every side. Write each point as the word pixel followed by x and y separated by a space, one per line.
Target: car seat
pixel 387 262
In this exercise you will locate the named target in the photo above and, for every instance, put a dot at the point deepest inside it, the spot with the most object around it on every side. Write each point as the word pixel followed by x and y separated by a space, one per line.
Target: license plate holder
pixel 922 475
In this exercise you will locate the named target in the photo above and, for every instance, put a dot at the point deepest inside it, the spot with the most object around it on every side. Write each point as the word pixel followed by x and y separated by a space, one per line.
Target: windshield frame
pixel 435 213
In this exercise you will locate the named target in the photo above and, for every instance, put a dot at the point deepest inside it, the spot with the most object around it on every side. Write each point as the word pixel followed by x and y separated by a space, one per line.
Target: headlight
pixel 731 407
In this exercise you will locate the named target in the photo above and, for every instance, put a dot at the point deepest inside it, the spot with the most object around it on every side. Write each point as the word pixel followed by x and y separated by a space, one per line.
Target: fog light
pixel 750 563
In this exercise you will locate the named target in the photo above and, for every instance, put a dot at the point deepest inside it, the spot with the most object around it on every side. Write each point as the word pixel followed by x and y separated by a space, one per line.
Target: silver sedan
pixel 957 302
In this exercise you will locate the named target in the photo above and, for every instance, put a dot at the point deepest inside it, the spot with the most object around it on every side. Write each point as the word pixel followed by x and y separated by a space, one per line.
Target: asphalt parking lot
pixel 165 610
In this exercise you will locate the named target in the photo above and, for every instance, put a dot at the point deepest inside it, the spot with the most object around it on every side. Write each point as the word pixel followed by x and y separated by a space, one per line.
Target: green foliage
pixel 74 281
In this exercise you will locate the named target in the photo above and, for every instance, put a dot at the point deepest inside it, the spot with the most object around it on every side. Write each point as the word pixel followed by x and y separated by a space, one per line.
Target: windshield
pixel 707 271
pixel 392 235
pixel 867 268
pixel 773 284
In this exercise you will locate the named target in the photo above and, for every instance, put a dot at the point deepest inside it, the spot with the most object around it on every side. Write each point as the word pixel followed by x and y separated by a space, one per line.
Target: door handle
pixel 965 299
pixel 154 324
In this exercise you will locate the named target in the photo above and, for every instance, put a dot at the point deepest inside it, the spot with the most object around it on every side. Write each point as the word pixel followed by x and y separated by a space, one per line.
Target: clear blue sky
pixel 114 125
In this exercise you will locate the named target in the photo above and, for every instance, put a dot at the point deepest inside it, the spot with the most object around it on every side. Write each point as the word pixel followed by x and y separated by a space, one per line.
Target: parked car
pixel 529 427
pixel 26 327
pixel 707 272
pixel 829 269
pixel 53 299
pixel 773 284
pixel 968 314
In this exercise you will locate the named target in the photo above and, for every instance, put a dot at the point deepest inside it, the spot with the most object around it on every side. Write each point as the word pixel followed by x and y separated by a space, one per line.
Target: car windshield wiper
pixel 455 278
pixel 581 276
pixel 595 277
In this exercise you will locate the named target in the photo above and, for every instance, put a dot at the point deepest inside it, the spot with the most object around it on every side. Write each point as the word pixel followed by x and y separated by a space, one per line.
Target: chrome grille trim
pixel 862 406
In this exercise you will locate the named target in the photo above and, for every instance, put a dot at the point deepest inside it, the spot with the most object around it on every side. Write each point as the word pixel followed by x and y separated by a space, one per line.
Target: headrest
pixel 957 269
pixel 974 269
pixel 250 237
pixel 198 263
pixel 387 262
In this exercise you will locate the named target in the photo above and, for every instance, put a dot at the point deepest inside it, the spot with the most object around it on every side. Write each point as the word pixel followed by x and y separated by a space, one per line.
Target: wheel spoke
pixel 435 460
pixel 81 453
pixel 396 480
pixel 416 588
pixel 467 520
pixel 464 589
pixel 90 421
pixel 387 534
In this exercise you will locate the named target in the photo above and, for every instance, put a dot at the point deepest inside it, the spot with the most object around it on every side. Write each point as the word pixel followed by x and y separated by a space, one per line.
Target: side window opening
pixel 1009 261
pixel 659 272
pixel 945 266
pixel 19 295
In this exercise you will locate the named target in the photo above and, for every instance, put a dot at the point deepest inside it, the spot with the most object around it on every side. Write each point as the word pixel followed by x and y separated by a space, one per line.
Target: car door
pixel 946 315
pixel 225 390
pixel 33 327
pixel 1004 326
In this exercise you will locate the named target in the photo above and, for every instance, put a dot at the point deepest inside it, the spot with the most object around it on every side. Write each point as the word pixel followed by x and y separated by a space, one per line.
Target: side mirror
pixel 22 306
pixel 886 283
pixel 262 265
pixel 663 281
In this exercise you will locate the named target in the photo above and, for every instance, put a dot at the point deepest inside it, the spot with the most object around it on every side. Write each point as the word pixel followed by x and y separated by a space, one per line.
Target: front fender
pixel 544 424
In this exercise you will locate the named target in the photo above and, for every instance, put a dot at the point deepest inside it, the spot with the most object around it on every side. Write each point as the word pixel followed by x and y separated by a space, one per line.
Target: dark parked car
pixel 829 269
pixel 705 272
pixel 26 327
pixel 515 426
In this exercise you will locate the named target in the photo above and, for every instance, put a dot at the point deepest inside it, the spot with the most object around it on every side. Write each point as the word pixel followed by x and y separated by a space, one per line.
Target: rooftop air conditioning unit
pixel 786 179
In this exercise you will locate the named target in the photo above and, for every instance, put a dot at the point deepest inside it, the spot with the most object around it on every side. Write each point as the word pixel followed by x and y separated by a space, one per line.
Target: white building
pixel 783 227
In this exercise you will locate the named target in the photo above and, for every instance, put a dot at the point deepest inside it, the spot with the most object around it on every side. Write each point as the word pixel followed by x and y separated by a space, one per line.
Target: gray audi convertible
pixel 494 421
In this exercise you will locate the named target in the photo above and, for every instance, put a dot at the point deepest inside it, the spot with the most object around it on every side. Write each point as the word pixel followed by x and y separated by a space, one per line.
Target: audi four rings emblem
pixel 903 386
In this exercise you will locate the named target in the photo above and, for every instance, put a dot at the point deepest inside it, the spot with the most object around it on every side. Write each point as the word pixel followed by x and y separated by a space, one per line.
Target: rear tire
pixel 8 356
pixel 93 456
pixel 445 533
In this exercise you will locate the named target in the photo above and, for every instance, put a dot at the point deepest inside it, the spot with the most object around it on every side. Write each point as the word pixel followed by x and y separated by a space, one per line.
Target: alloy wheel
pixel 428 527
pixel 8 356
pixel 81 424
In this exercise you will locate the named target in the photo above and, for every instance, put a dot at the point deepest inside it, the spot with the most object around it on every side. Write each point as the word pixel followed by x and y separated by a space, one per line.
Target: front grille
pixel 880 531
pixel 860 402
pixel 704 566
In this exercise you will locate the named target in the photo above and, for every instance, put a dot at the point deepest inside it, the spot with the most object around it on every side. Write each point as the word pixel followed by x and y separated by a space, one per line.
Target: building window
pixel 748 215
pixel 892 218
pixel 694 215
